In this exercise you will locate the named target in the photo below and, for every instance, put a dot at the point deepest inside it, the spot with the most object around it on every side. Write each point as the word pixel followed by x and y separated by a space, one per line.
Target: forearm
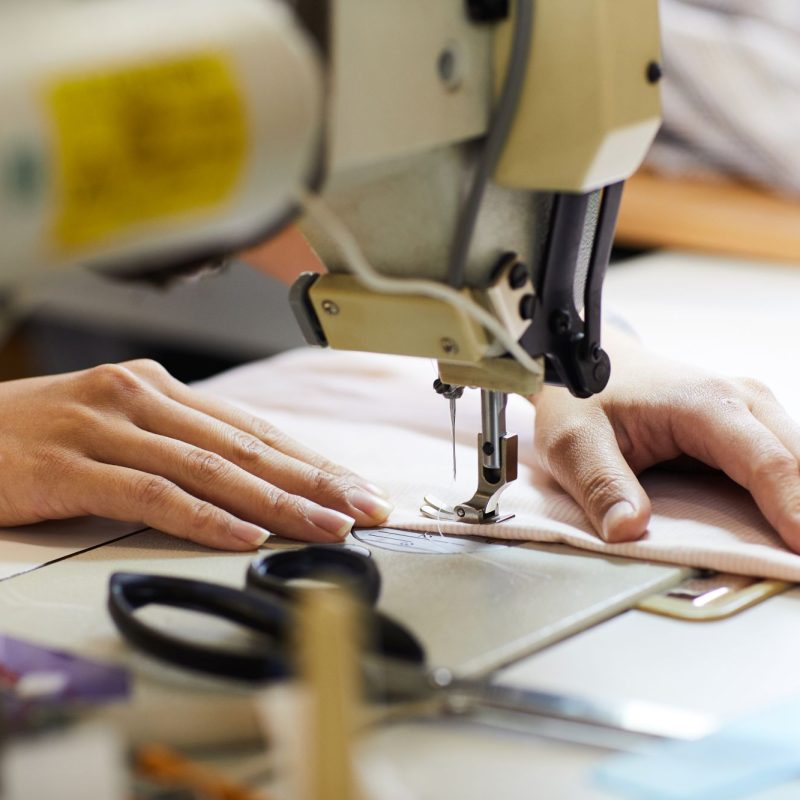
pixel 284 256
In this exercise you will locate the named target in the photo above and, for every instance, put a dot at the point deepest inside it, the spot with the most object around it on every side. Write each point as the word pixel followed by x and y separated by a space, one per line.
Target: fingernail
pixel 249 533
pixel 375 507
pixel 333 522
pixel 614 516
pixel 373 488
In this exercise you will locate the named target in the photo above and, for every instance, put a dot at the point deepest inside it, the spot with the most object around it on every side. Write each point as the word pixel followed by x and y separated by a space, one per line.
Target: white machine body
pixel 149 130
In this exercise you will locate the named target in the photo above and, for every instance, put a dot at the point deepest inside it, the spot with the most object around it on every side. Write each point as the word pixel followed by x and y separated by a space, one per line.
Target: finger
pixel 243 421
pixel 586 460
pixel 210 477
pixel 767 410
pixel 130 495
pixel 743 447
pixel 178 423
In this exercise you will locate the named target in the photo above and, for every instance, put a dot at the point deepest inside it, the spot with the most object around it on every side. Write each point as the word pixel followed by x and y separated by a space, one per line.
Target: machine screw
pixel 518 276
pixel 560 322
pixel 448 345
pixel 460 512
pixel 24 174
pixel 448 66
pixel 601 372
pixel 487 10
pixel 447 390
pixel 526 306
pixel 329 307
pixel 654 72
pixel 488 449
pixel 441 678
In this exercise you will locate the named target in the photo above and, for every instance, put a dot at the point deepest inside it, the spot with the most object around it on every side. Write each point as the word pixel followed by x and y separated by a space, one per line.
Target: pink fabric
pixel 380 416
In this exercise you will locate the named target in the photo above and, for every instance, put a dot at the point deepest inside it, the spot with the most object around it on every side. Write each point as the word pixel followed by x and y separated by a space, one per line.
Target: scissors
pixel 394 663
pixel 266 606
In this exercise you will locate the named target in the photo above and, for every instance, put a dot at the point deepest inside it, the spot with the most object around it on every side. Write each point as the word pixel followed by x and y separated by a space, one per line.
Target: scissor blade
pixel 631 716
pixel 616 724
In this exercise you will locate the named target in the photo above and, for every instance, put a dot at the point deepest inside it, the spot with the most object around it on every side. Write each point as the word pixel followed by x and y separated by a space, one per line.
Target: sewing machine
pixel 471 155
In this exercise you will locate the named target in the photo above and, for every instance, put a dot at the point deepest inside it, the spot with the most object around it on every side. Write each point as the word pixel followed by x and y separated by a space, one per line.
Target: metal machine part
pixel 497 468
pixel 451 393
pixel 493 423
pixel 336 310
pixel 709 596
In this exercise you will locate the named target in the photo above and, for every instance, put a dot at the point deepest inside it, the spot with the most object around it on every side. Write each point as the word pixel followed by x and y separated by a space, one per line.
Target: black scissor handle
pixel 129 592
pixel 346 568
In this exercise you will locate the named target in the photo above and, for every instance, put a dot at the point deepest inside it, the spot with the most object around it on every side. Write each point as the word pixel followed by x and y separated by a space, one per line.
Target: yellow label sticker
pixel 145 143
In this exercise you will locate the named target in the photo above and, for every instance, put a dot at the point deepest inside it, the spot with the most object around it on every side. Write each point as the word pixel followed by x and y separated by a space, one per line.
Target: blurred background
pixel 724 173
pixel 723 177
pixel 195 329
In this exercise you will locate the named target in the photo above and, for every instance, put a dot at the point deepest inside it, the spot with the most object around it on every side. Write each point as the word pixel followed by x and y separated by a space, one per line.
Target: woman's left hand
pixel 655 410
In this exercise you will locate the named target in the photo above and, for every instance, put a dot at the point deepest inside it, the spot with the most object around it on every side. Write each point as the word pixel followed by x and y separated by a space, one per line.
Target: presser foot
pixel 434 508
pixel 483 507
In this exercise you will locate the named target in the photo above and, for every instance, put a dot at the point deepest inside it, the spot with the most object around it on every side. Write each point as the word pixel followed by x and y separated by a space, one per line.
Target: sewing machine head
pixel 479 146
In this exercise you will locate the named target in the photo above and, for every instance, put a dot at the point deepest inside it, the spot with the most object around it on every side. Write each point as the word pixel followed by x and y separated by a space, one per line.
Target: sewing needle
pixel 453 432
pixel 452 393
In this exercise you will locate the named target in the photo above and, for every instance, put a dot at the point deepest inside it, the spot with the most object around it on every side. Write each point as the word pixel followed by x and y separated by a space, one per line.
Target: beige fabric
pixel 379 415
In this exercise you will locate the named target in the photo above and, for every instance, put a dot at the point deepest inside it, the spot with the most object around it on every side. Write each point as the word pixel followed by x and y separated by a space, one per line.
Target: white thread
pixel 358 264
pixel 439 511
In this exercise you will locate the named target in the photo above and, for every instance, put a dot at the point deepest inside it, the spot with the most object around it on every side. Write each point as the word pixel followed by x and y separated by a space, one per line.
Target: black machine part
pixel 566 334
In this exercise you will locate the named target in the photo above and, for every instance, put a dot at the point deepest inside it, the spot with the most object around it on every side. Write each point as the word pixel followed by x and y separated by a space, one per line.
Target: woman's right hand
pixel 130 442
